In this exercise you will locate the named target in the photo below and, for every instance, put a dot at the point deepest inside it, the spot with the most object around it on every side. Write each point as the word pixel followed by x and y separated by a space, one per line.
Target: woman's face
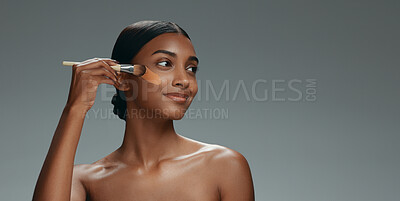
pixel 172 57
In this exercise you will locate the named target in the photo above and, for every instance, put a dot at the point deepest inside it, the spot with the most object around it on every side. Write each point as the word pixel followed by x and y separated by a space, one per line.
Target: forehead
pixel 173 42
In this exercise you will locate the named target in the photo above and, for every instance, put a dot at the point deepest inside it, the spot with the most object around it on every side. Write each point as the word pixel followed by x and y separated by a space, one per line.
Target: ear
pixel 123 86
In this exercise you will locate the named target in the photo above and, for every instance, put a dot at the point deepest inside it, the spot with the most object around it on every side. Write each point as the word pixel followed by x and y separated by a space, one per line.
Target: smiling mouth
pixel 177 97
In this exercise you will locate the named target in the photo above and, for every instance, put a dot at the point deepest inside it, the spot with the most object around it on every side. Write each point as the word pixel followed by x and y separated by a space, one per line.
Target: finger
pixel 107 64
pixel 96 63
pixel 87 61
pixel 108 59
pixel 92 60
pixel 106 80
pixel 97 59
pixel 100 72
pixel 87 64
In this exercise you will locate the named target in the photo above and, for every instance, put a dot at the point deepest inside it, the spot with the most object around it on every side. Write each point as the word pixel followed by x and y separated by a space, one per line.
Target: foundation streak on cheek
pixel 151 77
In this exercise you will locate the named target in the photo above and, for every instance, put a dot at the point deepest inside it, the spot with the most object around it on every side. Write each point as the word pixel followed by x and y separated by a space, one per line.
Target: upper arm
pixel 78 192
pixel 234 176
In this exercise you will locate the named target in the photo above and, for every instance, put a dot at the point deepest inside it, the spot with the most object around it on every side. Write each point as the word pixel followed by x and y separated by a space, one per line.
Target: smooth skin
pixel 154 162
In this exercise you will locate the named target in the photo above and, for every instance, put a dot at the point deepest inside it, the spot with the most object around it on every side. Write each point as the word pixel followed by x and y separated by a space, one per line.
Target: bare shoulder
pixel 85 172
pixel 217 154
pixel 231 172
pixel 80 170
pixel 224 157
pixel 84 169
pixel 82 177
pixel 78 188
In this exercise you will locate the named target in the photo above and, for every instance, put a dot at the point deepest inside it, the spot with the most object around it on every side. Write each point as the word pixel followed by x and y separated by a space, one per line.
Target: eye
pixel 164 63
pixel 193 69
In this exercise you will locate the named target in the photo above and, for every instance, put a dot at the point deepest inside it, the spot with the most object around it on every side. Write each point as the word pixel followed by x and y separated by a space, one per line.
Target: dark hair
pixel 129 43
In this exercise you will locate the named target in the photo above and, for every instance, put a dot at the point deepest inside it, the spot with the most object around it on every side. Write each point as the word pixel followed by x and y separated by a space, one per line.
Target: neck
pixel 147 140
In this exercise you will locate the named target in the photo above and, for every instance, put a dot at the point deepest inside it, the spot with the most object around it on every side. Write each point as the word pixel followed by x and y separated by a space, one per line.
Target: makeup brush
pixel 137 70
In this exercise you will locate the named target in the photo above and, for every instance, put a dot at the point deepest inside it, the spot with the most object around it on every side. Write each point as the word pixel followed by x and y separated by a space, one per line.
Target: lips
pixel 177 97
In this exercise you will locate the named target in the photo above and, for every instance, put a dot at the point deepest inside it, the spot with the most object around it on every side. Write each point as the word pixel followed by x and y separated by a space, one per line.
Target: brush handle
pixel 71 63
pixel 137 70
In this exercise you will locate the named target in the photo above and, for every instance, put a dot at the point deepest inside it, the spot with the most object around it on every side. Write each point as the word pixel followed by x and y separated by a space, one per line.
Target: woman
pixel 153 162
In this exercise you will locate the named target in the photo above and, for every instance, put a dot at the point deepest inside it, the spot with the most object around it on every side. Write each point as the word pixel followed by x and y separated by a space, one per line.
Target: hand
pixel 86 77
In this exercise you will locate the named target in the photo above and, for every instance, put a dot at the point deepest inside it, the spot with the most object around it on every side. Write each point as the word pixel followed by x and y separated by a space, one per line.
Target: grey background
pixel 342 146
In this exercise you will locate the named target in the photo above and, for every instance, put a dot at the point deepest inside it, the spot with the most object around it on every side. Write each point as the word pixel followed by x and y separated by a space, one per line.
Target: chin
pixel 176 118
pixel 176 114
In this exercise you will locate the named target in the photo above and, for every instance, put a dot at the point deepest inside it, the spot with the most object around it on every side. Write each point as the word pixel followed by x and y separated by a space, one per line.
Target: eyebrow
pixel 191 58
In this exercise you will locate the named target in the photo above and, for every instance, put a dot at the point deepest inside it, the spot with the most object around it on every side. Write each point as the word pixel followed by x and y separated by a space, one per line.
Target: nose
pixel 180 78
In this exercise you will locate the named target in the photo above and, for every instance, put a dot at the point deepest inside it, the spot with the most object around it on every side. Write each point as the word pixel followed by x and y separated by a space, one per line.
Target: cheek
pixel 148 94
pixel 194 87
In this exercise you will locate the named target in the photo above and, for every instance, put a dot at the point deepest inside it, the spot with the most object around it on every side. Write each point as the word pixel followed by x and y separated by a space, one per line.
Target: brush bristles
pixel 139 70
pixel 145 73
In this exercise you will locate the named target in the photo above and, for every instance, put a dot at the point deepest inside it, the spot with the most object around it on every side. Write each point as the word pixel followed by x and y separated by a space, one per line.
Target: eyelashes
pixel 168 63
